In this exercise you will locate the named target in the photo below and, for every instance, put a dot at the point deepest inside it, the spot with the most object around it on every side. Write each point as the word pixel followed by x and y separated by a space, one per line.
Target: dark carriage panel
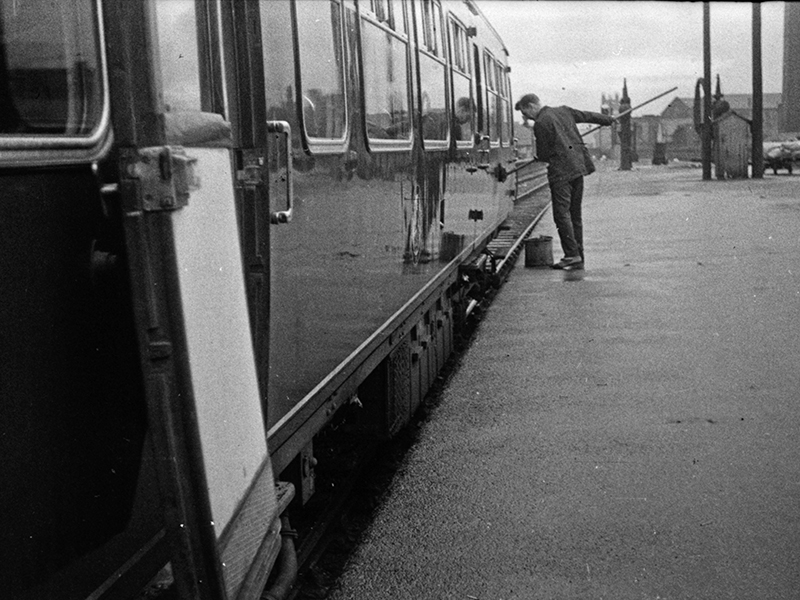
pixel 78 484
pixel 370 216
pixel 78 487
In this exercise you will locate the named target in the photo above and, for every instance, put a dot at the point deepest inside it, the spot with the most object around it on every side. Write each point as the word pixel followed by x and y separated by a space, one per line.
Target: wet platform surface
pixel 628 431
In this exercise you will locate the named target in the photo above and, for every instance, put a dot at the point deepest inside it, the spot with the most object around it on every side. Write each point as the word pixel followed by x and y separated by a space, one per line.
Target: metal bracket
pixel 484 147
pixel 252 165
pixel 167 177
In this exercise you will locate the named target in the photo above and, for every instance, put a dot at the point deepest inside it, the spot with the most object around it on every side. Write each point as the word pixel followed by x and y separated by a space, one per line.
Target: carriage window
pixel 493 102
pixel 489 70
pixel 435 125
pixel 390 13
pixel 464 110
pixel 319 31
pixel 279 61
pixel 464 107
pixel 501 80
pixel 177 43
pixel 429 24
pixel 398 18
pixel 504 105
pixel 460 58
pixel 381 10
pixel 434 112
pixel 50 68
pixel 385 83
pixel 498 79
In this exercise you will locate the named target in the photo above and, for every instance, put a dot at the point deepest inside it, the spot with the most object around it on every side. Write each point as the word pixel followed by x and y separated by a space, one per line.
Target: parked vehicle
pixel 781 155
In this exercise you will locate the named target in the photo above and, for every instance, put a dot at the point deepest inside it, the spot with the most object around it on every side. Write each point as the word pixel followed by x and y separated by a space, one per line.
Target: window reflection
pixel 434 114
pixel 489 70
pixel 398 18
pixel 429 26
pixel 385 84
pixel 432 73
pixel 464 109
pixel 460 48
pixel 279 65
pixel 494 126
pixel 50 74
pixel 177 43
pixel 504 105
pixel 321 69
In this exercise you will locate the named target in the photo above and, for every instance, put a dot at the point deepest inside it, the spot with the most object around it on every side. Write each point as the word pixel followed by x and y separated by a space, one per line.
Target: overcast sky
pixel 573 52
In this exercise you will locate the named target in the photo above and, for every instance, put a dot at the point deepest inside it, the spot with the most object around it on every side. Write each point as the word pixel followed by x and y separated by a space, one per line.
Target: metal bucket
pixel 539 251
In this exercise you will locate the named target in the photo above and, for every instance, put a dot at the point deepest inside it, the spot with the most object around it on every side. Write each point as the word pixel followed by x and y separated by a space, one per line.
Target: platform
pixel 627 431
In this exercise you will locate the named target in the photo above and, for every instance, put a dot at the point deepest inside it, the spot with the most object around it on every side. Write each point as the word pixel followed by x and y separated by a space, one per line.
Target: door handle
pixel 283 129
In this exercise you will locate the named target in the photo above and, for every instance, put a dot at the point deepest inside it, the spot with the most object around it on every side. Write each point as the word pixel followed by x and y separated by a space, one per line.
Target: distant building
pixel 790 108
pixel 648 131
pixel 606 140
pixel 675 125
pixel 732 145
pixel 677 121
pixel 743 105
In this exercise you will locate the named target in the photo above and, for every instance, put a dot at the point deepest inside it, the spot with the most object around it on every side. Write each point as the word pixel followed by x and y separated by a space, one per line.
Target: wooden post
pixel 757 132
pixel 706 129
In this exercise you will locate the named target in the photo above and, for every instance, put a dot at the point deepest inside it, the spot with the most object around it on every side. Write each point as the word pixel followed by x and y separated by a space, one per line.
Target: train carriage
pixel 222 221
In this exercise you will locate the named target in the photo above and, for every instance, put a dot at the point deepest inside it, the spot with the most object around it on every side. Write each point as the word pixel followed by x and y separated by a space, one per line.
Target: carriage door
pixel 72 419
pixel 181 166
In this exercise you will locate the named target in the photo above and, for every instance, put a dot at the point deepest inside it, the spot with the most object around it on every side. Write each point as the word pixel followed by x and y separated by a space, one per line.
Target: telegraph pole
pixel 757 151
pixel 706 129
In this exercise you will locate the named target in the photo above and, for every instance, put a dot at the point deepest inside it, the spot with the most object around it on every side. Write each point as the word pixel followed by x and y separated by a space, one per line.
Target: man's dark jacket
pixel 559 143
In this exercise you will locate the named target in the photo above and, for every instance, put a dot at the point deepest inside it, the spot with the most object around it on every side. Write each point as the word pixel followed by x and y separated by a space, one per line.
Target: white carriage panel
pixel 220 349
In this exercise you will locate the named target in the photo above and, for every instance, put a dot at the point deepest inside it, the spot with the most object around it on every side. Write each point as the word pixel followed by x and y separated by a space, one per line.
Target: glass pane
pixel 50 73
pixel 438 32
pixel 276 31
pixel 458 59
pixel 488 69
pixel 398 16
pixel 381 9
pixel 321 69
pixel 434 114
pixel 463 114
pixel 494 108
pixel 505 125
pixel 501 80
pixel 425 29
pixel 180 66
pixel 385 84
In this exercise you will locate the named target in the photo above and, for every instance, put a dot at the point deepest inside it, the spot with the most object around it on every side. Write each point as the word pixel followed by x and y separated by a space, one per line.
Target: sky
pixel 573 52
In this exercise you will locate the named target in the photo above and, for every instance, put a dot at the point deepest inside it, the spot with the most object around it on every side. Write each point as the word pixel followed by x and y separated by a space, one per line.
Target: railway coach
pixel 222 221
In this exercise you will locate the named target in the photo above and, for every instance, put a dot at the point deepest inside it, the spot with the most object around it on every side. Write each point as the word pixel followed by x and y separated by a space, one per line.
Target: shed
pixel 732 145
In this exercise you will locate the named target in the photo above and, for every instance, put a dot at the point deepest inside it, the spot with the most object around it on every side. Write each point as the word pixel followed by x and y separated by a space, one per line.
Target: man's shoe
pixel 569 263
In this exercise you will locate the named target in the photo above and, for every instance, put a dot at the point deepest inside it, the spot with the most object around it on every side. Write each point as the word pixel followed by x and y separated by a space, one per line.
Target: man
pixel 462 119
pixel 559 144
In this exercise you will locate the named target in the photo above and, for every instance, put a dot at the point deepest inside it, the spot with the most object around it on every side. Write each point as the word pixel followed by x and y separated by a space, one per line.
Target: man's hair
pixel 465 103
pixel 525 100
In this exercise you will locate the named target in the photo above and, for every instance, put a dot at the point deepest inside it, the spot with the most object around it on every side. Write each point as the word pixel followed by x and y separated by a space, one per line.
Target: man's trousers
pixel 567 198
